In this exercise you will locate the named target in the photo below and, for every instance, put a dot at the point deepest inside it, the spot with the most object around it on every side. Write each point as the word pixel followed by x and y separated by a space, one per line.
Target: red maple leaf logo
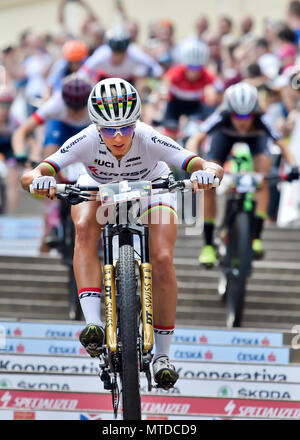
pixel 203 339
pixel 20 348
pixel 83 351
pixel 271 357
pixel 265 341
pixel 17 332
pixel 208 355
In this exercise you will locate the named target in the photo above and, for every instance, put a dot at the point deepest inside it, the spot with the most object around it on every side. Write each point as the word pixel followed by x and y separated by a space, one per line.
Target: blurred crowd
pixel 176 95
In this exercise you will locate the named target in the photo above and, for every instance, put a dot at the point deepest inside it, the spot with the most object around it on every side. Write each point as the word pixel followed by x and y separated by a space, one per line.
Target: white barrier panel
pixel 217 353
pixel 184 387
pixel 181 335
pixel 186 369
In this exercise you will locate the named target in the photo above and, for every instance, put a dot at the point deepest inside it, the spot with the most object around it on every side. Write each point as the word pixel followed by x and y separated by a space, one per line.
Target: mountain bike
pixel 234 242
pixel 127 284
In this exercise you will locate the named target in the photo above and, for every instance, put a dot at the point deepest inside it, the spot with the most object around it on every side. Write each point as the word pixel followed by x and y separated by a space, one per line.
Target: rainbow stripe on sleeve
pixel 53 167
pixel 187 164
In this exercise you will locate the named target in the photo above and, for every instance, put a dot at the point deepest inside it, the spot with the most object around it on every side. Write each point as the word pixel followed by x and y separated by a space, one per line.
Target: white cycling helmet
pixel 114 102
pixel 241 98
pixel 193 53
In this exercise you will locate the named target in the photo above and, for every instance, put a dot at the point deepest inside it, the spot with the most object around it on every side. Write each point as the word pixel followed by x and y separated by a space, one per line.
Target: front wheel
pixel 128 313
pixel 239 268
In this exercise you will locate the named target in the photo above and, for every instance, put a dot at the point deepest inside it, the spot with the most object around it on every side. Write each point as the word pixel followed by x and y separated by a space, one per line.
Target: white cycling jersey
pixel 136 64
pixel 147 159
pixel 55 109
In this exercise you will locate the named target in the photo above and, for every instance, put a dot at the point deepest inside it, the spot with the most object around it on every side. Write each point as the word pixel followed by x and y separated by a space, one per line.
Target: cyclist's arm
pixel 286 153
pixel 194 142
pixel 21 134
pixel 29 176
pixel 199 164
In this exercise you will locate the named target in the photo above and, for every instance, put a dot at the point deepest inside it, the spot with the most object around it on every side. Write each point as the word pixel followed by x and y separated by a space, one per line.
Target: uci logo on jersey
pixel 103 163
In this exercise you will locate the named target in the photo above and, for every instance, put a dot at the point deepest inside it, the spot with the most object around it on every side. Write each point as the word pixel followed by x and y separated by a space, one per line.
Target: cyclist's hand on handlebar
pixel 293 173
pixel 45 186
pixel 202 179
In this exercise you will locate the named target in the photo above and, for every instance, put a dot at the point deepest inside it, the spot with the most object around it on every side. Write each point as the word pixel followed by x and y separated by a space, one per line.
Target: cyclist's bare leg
pixel 87 271
pixel 86 262
pixel 262 164
pixel 162 238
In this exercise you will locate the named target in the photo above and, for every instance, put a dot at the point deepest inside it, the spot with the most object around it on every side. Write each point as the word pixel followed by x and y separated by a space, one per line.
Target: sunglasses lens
pixel 127 131
pixel 108 132
pixel 195 68
pixel 111 132
pixel 243 117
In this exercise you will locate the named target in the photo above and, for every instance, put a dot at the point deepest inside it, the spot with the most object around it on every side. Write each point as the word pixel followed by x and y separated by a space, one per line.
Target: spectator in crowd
pixel 294 19
pixel 247 25
pixel 8 124
pixel 74 53
pixel 201 27
pixel 225 27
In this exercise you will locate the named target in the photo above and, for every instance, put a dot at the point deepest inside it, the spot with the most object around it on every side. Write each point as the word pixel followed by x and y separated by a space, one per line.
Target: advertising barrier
pixel 181 335
pixel 184 387
pixel 192 352
pixel 154 405
pixel 16 363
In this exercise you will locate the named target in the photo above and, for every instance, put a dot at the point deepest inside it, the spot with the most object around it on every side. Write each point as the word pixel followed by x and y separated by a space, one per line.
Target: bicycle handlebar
pixel 78 189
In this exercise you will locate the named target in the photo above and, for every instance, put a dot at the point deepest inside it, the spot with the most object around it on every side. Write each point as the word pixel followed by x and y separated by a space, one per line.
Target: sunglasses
pixel 243 117
pixel 112 132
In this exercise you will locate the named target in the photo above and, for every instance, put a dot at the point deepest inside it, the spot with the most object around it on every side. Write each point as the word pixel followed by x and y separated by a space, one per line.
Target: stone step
pixel 60 314
pixel 42 259
pixel 203 315
pixel 196 244
pixel 194 287
pixel 292 256
pixel 251 302
pixel 203 275
pixel 42 281
pixel 18 305
pixel 24 267
pixel 263 266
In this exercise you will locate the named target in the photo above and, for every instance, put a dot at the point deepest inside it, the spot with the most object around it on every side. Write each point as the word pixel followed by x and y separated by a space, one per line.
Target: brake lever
pixel 72 199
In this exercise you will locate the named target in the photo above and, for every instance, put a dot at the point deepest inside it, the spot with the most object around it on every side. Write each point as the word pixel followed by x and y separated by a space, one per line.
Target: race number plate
pixel 118 192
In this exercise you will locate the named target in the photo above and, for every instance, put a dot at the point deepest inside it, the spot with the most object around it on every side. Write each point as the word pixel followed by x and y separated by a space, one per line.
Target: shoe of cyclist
pixel 258 250
pixel 164 372
pixel 92 338
pixel 208 256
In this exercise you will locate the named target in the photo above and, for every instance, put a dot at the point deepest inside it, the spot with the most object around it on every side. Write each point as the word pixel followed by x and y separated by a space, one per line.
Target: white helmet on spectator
pixel 194 53
pixel 114 102
pixel 242 98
